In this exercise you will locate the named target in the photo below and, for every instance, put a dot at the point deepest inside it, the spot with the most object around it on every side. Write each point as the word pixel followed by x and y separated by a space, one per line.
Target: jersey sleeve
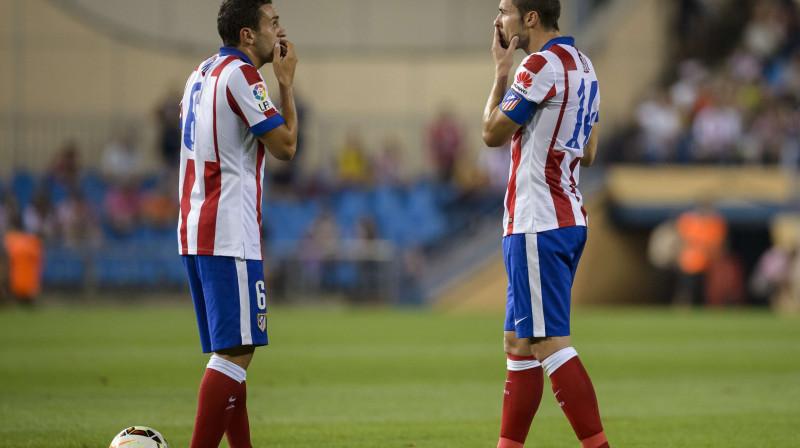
pixel 534 83
pixel 249 99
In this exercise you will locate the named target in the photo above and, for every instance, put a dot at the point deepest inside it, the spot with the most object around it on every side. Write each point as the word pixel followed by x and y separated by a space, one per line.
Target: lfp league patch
pixel 260 95
pixel 510 101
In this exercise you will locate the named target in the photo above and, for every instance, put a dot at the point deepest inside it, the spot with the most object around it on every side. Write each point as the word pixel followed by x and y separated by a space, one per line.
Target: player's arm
pixel 591 148
pixel 282 140
pixel 498 128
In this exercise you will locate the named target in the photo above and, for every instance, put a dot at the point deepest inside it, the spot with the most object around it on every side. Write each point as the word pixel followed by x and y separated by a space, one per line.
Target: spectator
pixel 159 207
pixel 318 250
pixel 703 232
pixel 122 165
pixel 168 117
pixel 122 209
pixel 772 275
pixel 78 223
pixel 388 164
pixel 39 218
pixel 765 33
pixel 445 139
pixel 718 127
pixel 64 174
pixel 25 260
pixel 661 126
pixel 353 164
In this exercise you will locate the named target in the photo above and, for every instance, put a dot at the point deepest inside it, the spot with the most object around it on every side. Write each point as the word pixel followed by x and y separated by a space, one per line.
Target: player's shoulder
pixel 250 74
pixel 537 62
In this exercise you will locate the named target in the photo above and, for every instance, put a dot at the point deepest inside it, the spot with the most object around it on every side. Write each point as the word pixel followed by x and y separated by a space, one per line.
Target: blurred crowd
pixel 734 91
pixel 365 204
pixel 733 98
pixel 696 264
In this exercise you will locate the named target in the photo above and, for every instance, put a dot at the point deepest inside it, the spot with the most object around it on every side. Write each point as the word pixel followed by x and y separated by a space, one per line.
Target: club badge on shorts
pixel 262 322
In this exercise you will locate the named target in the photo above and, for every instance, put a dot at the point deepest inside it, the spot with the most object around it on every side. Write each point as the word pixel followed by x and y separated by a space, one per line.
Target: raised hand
pixel 284 62
pixel 503 56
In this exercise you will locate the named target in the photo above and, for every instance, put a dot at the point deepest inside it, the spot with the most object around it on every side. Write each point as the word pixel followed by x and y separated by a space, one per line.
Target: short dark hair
pixel 235 15
pixel 549 11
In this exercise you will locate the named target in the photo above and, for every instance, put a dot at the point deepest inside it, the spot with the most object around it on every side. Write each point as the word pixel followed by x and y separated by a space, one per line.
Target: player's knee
pixel 517 347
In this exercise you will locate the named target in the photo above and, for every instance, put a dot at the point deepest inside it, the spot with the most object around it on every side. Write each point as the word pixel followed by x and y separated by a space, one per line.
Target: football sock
pixel 575 394
pixel 521 399
pixel 216 401
pixel 238 431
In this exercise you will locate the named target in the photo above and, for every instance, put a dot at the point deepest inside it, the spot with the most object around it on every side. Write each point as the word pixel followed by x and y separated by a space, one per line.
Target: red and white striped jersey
pixel 225 107
pixel 555 99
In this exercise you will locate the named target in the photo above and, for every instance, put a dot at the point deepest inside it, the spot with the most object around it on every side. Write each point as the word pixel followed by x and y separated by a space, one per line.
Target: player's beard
pixel 504 41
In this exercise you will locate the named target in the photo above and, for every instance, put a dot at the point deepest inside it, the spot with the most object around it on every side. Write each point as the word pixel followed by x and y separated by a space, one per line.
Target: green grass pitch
pixel 75 376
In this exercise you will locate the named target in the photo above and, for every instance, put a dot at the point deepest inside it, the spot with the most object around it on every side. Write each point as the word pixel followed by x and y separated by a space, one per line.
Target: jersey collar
pixel 230 51
pixel 563 40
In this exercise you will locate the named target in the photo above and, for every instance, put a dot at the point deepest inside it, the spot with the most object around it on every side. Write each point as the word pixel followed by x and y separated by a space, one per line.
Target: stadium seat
pixel 23 185
pixel 63 267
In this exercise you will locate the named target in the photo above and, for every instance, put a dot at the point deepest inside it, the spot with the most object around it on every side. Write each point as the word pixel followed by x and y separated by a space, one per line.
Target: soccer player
pixel 228 123
pixel 550 114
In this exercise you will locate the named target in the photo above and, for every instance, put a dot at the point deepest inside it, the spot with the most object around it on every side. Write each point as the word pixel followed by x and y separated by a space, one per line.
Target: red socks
pixel 523 394
pixel 214 408
pixel 222 406
pixel 238 431
pixel 575 394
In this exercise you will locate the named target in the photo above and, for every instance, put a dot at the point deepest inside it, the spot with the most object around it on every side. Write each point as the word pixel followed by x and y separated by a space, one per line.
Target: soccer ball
pixel 139 437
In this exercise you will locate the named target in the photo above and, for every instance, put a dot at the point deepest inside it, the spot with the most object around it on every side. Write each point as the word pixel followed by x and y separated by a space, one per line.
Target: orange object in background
pixel 703 235
pixel 25 256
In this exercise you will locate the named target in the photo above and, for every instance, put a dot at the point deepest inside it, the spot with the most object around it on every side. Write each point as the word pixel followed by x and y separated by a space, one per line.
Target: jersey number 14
pixel 586 118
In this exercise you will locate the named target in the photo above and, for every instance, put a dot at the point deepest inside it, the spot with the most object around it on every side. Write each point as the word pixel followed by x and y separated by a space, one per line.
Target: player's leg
pixel 558 253
pixel 238 429
pixel 235 313
pixel 524 383
pixel 220 399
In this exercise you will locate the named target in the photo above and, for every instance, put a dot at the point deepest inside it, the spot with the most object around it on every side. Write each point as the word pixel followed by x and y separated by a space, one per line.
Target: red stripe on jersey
pixel 235 106
pixel 186 204
pixel 550 94
pixel 553 172
pixel 535 63
pixel 215 73
pixel 511 200
pixel 207 225
pixel 251 74
pixel 572 167
pixel 565 56
pixel 259 162
pixel 270 113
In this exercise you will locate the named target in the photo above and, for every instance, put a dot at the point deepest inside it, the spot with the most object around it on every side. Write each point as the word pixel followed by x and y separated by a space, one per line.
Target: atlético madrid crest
pixel 262 322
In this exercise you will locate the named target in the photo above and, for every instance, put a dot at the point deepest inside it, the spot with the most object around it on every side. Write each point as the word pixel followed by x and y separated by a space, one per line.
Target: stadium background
pixel 393 200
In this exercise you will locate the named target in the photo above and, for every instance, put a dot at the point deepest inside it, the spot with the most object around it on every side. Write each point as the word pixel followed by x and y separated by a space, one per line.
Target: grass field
pixel 73 377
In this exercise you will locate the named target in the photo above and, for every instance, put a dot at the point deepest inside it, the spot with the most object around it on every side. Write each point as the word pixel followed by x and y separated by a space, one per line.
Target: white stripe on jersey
pixel 542 192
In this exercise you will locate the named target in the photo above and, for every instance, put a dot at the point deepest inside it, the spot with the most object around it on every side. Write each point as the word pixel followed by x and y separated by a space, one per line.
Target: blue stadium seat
pixel 23 185
pixel 349 206
pixel 94 188
pixel 63 267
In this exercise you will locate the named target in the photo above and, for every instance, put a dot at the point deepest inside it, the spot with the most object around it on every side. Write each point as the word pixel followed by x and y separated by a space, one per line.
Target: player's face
pixel 510 24
pixel 269 33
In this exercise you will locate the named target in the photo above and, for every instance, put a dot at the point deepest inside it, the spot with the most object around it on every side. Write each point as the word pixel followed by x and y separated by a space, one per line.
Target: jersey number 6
pixel 261 294
pixel 188 126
